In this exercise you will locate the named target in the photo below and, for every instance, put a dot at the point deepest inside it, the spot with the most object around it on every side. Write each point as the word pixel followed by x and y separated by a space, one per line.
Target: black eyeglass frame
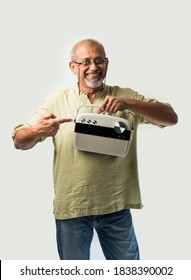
pixel 104 60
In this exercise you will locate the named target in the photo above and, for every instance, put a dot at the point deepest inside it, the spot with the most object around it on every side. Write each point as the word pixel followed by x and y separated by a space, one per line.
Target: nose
pixel 93 66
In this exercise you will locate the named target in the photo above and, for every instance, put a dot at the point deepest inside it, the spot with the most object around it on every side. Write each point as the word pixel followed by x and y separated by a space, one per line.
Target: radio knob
pixel 119 127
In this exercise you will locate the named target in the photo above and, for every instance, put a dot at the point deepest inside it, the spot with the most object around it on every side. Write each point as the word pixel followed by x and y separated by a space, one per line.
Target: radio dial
pixel 119 127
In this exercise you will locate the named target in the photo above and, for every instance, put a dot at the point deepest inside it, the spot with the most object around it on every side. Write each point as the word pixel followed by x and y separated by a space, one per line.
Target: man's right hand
pixel 47 126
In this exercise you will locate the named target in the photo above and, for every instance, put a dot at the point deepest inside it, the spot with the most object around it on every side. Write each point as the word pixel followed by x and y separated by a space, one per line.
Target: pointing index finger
pixel 59 121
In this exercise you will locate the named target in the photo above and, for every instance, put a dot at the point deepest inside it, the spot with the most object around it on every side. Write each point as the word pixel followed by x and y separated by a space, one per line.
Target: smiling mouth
pixel 93 76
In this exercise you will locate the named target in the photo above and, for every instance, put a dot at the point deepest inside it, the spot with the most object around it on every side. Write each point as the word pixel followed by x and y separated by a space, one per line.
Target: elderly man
pixel 92 191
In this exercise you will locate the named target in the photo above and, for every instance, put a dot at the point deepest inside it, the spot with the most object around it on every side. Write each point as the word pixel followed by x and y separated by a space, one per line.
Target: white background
pixel 148 44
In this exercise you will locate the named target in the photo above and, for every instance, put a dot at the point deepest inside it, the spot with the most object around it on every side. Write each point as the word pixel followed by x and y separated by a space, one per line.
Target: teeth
pixel 93 75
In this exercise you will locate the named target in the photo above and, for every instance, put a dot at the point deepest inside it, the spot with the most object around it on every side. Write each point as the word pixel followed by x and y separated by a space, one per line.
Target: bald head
pixel 86 43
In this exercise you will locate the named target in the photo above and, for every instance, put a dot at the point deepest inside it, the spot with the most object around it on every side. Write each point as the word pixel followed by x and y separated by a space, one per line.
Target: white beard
pixel 93 84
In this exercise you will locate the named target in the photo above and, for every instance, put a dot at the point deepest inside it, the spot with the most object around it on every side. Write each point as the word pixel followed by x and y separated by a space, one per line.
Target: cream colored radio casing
pixel 103 134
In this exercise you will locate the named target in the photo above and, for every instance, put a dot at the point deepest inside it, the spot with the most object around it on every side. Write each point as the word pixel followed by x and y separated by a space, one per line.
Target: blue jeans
pixel 115 232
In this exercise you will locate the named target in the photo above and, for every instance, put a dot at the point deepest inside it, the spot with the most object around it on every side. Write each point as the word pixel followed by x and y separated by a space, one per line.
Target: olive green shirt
pixel 87 183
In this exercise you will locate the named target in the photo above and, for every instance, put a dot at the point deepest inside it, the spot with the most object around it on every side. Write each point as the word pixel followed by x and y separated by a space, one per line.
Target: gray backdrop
pixel 148 44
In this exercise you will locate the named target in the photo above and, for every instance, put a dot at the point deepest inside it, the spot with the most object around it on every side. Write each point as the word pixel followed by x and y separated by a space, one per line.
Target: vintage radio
pixel 102 133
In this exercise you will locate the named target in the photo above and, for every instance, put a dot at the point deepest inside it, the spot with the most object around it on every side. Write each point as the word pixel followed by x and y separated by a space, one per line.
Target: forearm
pixel 157 113
pixel 25 138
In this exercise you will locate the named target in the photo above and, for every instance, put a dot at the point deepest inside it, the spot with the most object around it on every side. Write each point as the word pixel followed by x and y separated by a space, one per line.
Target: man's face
pixel 92 66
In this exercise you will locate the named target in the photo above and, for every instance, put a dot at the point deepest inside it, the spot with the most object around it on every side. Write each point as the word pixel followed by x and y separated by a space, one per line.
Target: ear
pixel 107 62
pixel 73 67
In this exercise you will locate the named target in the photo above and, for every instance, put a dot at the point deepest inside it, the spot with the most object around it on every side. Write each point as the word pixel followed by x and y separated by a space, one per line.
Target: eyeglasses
pixel 87 62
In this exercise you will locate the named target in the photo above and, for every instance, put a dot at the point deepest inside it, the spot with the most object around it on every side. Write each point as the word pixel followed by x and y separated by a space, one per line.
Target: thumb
pixel 49 116
pixel 100 110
